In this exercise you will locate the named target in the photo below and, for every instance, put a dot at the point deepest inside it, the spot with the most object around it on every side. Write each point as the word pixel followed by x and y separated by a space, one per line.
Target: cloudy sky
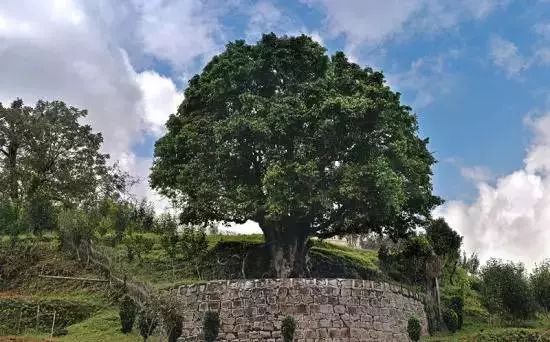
pixel 477 72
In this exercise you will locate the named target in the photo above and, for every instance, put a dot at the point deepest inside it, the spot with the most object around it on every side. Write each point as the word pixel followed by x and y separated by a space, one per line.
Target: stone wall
pixel 324 309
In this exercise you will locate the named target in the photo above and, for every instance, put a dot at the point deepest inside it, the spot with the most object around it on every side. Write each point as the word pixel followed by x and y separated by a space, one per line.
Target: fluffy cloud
pixel 476 174
pixel 426 78
pixel 179 31
pixel 510 219
pixel 505 54
pixel 373 22
pixel 160 99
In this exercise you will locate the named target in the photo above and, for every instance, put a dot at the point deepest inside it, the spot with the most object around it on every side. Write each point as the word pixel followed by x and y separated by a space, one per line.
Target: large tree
pixel 303 144
pixel 47 153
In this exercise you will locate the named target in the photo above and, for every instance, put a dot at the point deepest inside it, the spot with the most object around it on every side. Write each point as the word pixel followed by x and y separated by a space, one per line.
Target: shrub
pixel 451 320
pixel 414 329
pixel 505 290
pixel 12 218
pixel 457 305
pixel 74 227
pixel 513 334
pixel 41 215
pixel 211 326
pixel 288 328
pixel 540 283
pixel 147 323
pixel 128 311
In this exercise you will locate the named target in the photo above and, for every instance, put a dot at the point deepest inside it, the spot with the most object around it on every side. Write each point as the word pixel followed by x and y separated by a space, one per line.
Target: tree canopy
pixel 300 142
pixel 46 153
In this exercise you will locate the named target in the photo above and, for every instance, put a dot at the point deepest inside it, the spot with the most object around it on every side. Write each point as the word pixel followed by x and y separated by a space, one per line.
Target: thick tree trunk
pixel 288 250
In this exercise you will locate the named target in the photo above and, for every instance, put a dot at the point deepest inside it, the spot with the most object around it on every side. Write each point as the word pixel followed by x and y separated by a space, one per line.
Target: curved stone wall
pixel 324 309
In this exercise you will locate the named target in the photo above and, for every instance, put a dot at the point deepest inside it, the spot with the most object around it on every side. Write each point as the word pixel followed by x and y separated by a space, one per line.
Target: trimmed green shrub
pixel 457 305
pixel 451 320
pixel 288 328
pixel 147 323
pixel 414 329
pixel 128 311
pixel 211 326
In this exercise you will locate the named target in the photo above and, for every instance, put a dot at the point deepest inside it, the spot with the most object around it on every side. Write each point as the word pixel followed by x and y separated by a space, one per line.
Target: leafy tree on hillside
pixel 45 151
pixel 505 289
pixel 303 144
pixel 540 283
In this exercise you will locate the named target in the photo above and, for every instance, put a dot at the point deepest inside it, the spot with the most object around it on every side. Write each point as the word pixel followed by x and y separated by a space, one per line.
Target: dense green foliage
pixel 514 334
pixel 505 289
pixel 127 312
pixel 37 314
pixel 540 283
pixel 279 133
pixel 288 327
pixel 147 323
pixel 457 305
pixel 211 326
pixel 414 329
pixel 47 155
pixel 451 320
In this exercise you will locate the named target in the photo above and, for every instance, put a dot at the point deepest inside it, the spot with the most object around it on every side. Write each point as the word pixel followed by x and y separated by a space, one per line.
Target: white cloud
pixel 505 54
pixel 179 31
pixel 426 78
pixel 543 29
pixel 373 22
pixel 476 173
pixel 510 220
pixel 264 17
pixel 160 99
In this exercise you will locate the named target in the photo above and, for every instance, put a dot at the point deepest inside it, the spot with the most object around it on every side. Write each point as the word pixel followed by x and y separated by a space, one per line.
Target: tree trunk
pixel 288 250
pixel 12 167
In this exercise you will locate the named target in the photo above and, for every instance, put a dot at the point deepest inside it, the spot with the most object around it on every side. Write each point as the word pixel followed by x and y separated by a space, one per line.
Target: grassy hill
pixel 87 310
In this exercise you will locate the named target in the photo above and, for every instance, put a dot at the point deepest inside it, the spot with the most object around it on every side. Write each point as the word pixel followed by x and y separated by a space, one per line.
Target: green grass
pixel 104 326
pixel 364 257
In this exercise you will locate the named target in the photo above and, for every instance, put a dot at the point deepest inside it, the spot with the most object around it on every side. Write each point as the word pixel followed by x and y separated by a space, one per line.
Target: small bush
pixel 288 328
pixel 457 305
pixel 211 326
pixel 128 311
pixel 414 329
pixel 147 323
pixel 451 320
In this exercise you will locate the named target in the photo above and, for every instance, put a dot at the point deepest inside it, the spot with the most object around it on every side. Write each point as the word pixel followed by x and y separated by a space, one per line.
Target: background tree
pixel 15 127
pixel 540 283
pixel 47 153
pixel 505 290
pixel 301 143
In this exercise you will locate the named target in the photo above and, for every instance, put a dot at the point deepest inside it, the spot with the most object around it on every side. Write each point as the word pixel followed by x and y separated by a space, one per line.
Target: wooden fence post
pixel 53 324
pixel 37 316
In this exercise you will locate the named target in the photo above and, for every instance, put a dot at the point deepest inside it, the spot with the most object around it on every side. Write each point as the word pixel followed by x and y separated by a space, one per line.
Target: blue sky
pixel 475 71
pixel 474 114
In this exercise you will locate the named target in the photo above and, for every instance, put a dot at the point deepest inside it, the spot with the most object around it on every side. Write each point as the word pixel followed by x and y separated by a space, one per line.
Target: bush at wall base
pixel 128 311
pixel 211 326
pixel 414 329
pixel 288 328
pixel 451 320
